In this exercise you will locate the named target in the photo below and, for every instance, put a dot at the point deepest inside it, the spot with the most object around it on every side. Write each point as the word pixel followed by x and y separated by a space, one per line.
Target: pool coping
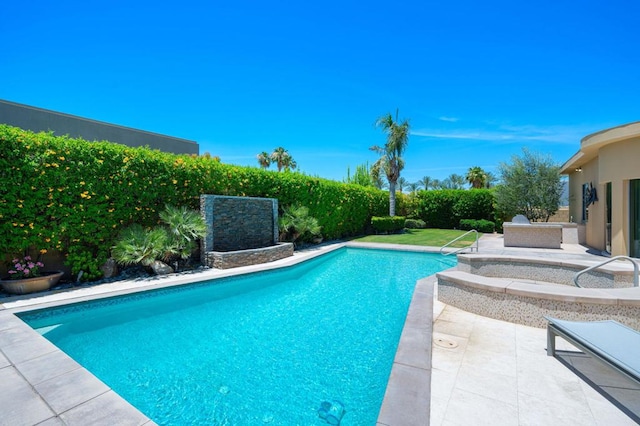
pixel 49 387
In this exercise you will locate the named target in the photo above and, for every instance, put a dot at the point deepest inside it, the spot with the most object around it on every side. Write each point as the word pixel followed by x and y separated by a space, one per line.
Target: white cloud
pixel 449 119
pixel 511 133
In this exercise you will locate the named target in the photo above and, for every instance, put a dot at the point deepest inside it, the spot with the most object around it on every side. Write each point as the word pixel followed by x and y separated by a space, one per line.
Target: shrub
pixel 445 208
pixel 175 239
pixel 295 223
pixel 137 245
pixel 482 225
pixel 415 224
pixel 184 227
pixel 386 224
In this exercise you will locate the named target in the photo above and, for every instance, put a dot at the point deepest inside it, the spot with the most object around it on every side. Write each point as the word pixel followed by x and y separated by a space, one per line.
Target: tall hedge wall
pixel 444 208
pixel 74 196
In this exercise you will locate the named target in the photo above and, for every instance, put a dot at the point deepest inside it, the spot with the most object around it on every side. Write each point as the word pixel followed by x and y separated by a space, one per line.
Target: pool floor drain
pixel 445 343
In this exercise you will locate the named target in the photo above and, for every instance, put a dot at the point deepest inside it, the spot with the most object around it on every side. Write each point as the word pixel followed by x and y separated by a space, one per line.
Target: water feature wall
pixel 240 231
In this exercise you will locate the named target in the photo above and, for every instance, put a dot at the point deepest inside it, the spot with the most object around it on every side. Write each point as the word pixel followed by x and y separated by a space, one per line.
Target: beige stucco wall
pixel 561 216
pixel 595 224
pixel 619 163
pixel 612 155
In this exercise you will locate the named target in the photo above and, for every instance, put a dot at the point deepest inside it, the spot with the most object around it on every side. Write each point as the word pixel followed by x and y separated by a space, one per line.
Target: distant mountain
pixel 564 197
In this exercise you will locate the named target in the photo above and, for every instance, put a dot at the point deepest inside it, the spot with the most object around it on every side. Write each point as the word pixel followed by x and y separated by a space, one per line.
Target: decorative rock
pixel 109 268
pixel 161 268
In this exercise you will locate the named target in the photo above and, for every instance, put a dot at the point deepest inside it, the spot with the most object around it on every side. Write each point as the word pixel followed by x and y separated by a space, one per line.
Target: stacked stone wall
pixel 240 231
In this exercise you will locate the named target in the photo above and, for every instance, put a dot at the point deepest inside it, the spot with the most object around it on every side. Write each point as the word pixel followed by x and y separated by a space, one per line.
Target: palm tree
pixel 491 180
pixel 402 182
pixel 476 177
pixel 414 187
pixel 454 181
pixel 264 160
pixel 283 159
pixel 376 177
pixel 391 161
pixel 436 184
pixel 289 163
pixel 426 182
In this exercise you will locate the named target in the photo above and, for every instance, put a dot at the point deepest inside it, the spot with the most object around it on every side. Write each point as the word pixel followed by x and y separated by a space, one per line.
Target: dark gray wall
pixel 42 120
pixel 238 223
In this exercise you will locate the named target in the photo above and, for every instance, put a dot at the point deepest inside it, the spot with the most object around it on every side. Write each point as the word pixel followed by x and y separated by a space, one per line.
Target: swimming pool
pixel 267 348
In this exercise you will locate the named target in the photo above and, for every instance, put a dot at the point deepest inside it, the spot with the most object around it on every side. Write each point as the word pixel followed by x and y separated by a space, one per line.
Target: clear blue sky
pixel 478 80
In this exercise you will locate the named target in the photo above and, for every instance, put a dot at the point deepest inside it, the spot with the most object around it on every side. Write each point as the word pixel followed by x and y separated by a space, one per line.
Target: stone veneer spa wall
pixel 241 231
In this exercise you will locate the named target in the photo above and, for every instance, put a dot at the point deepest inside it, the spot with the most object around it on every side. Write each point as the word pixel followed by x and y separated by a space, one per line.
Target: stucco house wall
pixel 612 155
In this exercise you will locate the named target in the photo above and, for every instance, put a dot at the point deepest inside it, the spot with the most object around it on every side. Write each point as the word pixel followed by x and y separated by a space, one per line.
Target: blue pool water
pixel 267 348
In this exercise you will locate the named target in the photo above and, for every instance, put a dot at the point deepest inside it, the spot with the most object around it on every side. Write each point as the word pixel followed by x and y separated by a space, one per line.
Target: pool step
pixel 526 288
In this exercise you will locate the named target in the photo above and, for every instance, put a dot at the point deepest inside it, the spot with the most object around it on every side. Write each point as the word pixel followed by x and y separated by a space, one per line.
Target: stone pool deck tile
pixel 61 392
pixel 500 374
pixel 408 394
pixel 38 370
pixel 406 400
pixel 20 404
pixel 107 409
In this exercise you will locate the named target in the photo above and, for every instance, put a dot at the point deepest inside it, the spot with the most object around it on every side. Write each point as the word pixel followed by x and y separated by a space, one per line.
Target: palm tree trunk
pixel 392 198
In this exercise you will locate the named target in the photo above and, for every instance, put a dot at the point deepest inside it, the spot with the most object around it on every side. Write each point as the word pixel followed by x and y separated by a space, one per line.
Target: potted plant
pixel 25 277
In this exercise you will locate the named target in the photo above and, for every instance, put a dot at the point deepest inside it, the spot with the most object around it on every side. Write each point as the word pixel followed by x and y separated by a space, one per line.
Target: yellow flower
pixel 43 251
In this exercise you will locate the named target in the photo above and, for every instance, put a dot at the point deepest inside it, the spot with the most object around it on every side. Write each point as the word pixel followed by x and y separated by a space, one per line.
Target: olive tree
pixel 530 186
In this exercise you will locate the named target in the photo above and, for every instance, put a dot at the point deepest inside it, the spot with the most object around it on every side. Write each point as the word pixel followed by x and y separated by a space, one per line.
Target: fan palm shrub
pixel 296 224
pixel 175 239
pixel 137 245
pixel 184 227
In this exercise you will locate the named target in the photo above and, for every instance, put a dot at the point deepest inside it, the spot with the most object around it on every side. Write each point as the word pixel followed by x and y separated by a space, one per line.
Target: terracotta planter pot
pixel 31 285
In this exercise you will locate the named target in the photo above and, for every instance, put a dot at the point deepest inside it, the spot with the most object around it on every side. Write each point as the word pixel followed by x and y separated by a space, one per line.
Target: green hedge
pixel 74 196
pixel 387 223
pixel 445 208
pixel 415 224
pixel 482 225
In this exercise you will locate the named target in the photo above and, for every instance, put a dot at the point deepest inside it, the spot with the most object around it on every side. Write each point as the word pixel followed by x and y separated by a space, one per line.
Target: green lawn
pixel 422 237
